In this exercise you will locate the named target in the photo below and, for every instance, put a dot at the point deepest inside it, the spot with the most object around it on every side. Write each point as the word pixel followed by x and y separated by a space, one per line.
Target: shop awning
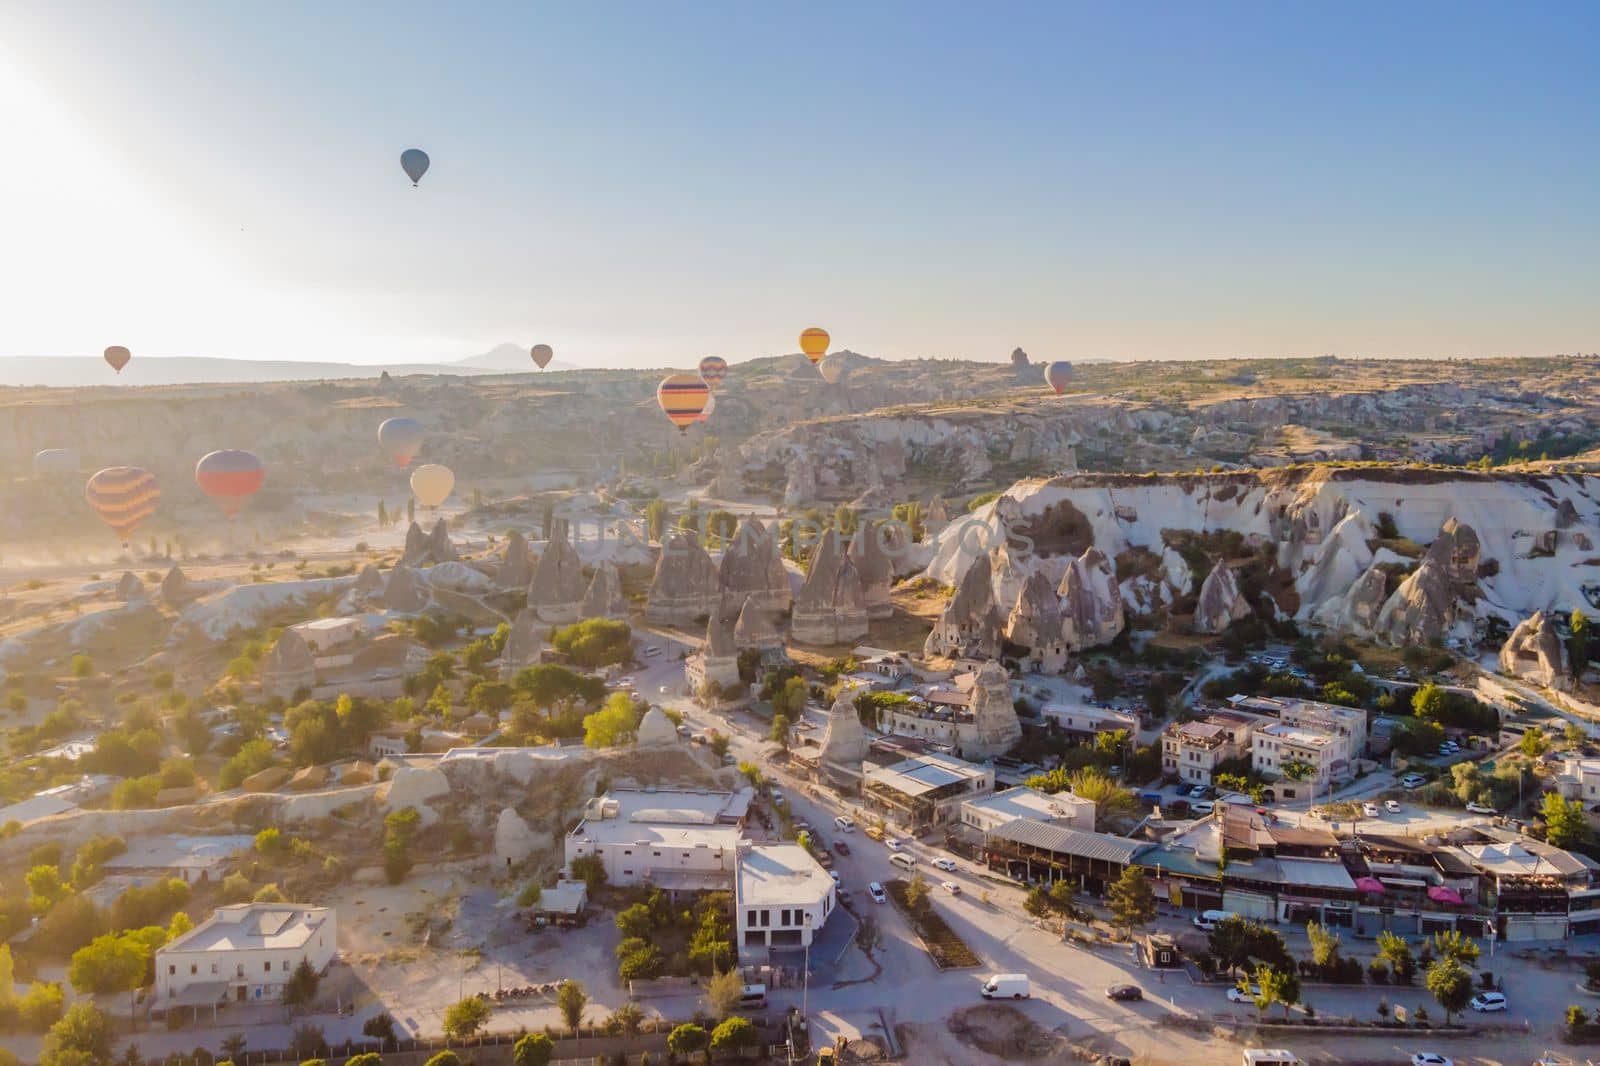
pixel 1369 884
pixel 1440 894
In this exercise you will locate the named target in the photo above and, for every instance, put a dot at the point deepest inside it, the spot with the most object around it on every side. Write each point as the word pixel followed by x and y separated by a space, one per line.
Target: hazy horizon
pixel 640 188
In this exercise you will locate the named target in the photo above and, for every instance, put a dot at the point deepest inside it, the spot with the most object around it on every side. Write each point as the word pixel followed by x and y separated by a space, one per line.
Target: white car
pixel 947 865
pixel 1411 781
pixel 1239 995
pixel 950 887
pixel 1430 1058
pixel 835 875
pixel 1479 808
pixel 626 682
pixel 844 823
pixel 891 843
pixel 877 893
pixel 1197 792
pixel 652 650
pixel 1369 810
pixel 1392 806
pixel 1202 807
pixel 1487 1001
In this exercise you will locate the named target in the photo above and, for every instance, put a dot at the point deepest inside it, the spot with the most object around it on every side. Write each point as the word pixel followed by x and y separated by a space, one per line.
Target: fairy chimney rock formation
pixel 523 645
pixel 830 608
pixel 1426 605
pixel 1091 602
pixel 755 629
pixel 717 662
pixel 1221 603
pixel 516 565
pixel 1535 652
pixel 685 585
pixel 936 518
pixel 970 623
pixel 604 598
pixel 176 588
pixel 440 550
pixel 874 567
pixel 416 549
pixel 656 730
pixel 1035 623
pixel 129 587
pixel 752 565
pixel 994 716
pixel 403 592
pixel 556 592
pixel 1356 611
pixel 844 741
pixel 288 667
pixel 370 579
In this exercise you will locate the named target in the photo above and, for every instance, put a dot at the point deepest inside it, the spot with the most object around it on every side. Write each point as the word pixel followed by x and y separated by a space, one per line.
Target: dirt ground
pixel 1006 1032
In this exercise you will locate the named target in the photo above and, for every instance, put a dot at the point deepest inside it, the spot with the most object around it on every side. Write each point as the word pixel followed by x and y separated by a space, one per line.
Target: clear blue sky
pixel 642 184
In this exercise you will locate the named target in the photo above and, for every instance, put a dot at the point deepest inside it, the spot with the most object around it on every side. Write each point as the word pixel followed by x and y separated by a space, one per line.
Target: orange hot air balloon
pixel 123 497
pixel 229 477
pixel 118 357
pixel 713 368
pixel 814 342
pixel 711 405
pixel 542 354
pixel 683 398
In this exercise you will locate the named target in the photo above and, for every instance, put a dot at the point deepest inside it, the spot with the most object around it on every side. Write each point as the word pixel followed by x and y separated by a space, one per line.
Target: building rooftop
pixel 1102 846
pixel 924 773
pixel 670 806
pixel 772 874
pixel 254 927
pixel 1025 802
pixel 175 852
pixel 1289 734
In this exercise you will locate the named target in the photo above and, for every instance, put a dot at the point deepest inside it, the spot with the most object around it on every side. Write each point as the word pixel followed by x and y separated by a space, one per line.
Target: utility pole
pixel 805 979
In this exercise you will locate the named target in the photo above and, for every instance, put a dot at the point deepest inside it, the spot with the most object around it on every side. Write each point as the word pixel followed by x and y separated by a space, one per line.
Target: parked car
pixel 1430 1058
pixel 1479 808
pixel 1125 992
pixel 877 893
pixel 1203 807
pixel 891 843
pixel 947 865
pixel 1369 810
pixel 841 847
pixel 1239 995
pixel 777 798
pixel 1392 806
pixel 626 682
pixel 1487 1001
pixel 950 887
pixel 1411 781
pixel 1007 986
pixel 1197 792
pixel 835 875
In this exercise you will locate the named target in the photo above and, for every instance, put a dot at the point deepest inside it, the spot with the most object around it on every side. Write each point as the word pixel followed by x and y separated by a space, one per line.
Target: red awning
pixel 1445 895
pixel 1369 884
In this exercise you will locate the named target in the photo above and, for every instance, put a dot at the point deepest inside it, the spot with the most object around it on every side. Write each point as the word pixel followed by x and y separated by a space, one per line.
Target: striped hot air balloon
pixel 713 368
pixel 683 398
pixel 711 405
pixel 230 477
pixel 55 462
pixel 123 497
pixel 401 438
pixel 814 342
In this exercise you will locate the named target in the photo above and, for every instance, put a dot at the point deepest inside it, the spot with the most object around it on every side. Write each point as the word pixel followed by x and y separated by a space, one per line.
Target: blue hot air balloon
pixel 401 438
pixel 414 161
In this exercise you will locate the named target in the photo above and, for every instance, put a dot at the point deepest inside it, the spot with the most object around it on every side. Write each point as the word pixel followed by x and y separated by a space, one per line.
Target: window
pixel 193 969
pixel 267 966
pixel 285 965
pixel 628 851
pixel 766 917
pixel 750 917
pixel 213 968
pixel 657 854
pixel 172 971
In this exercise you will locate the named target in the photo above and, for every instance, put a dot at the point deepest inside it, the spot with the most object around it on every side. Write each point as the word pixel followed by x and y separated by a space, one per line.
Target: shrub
pixel 1378 971
pixel 444 1058
pixel 535 1049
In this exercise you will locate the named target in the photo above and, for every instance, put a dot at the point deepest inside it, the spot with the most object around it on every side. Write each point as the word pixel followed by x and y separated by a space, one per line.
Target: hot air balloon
pixel 414 161
pixel 123 496
pixel 682 398
pixel 711 405
pixel 1057 374
pixel 814 342
pixel 542 354
pixel 118 357
pixel 431 484
pixel 229 477
pixel 401 438
pixel 833 368
pixel 54 462
pixel 713 368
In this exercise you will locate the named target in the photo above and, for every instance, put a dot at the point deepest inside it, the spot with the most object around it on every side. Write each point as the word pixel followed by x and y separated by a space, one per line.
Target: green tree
pixel 1277 986
pixel 271 841
pixel 82 666
pixel 613 725
pixel 81 1038
pixel 1453 944
pixel 790 700
pixel 724 993
pixel 571 999
pixel 1533 743
pixel 446 1057
pixel 733 1036
pixel 1565 826
pixel 535 1049
pixel 1573 736
pixel 591 870
pixel 368 1058
pixel 916 892
pixel 8 979
pixel 114 962
pixel 41 1006
pixel 380 1027
pixel 1578 644
pixel 595 642
pixel 642 965
pixel 1450 984
pixel 1298 771
pixel 1429 702
pixel 301 988
pixel 655 519
pixel 1132 900
pixel 398 829
pixel 463 1019
pixel 686 1039
pixel 1324 945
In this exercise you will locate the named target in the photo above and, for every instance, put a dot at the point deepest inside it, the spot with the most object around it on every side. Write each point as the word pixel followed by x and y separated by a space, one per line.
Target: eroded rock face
pixel 516 565
pixel 874 567
pixel 1356 611
pixel 1428 602
pixel 1458 548
pixel 994 716
pixel 1221 603
pixel 970 623
pixel 370 580
pixel 936 518
pixel 685 585
pixel 756 629
pixel 458 577
pixel 1345 556
pixel 656 730
pixel 844 742
pixel 1035 623
pixel 176 588
pixel 514 841
pixel 403 592
pixel 752 565
pixel 1091 601
pixel 416 548
pixel 440 550
pixel 556 592
pixel 523 645
pixel 801 485
pixel 129 587
pixel 1535 652
pixel 831 607
pixel 289 666
pixel 604 598
pixel 413 786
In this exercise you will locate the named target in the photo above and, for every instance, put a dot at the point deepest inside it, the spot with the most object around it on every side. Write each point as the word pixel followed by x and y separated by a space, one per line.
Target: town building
pixel 925 790
pixel 1349 724
pixel 674 839
pixel 243 953
pixel 1191 751
pixel 974 715
pixel 1278 745
pixel 324 635
pixel 990 812
pixel 194 860
pixel 782 897
pixel 1086 719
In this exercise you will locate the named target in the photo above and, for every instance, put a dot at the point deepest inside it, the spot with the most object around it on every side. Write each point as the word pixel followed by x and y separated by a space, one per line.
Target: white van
pixel 1007 986
pixel 1208 920
pixel 754 997
pixel 904 861
pixel 1260 1056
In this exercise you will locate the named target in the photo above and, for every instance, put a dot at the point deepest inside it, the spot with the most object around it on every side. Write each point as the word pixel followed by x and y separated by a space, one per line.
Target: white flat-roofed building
pixel 195 860
pixel 243 953
pixel 1347 723
pixel 1063 808
pixel 1190 751
pixel 782 896
pixel 925 790
pixel 1278 745
pixel 323 635
pixel 673 839
pixel 1085 719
